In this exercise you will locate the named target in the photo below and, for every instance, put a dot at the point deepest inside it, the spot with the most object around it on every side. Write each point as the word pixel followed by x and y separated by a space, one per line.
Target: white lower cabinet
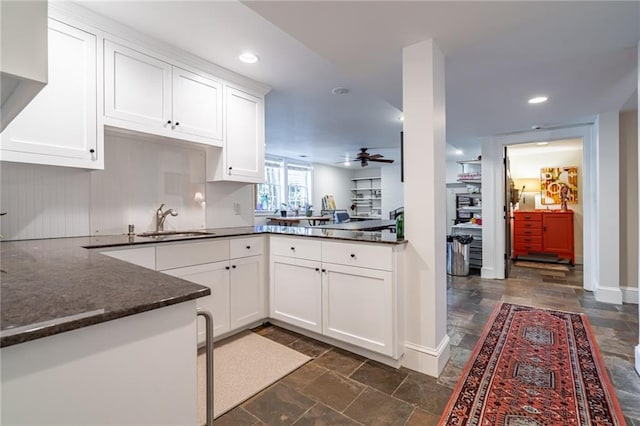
pixel 296 292
pixel 349 292
pixel 358 307
pixel 216 277
pixel 233 270
pixel 247 292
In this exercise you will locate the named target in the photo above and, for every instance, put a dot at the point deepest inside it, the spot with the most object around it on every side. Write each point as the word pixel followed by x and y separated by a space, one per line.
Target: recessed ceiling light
pixel 542 143
pixel 339 90
pixel 538 100
pixel 249 58
pixel 459 152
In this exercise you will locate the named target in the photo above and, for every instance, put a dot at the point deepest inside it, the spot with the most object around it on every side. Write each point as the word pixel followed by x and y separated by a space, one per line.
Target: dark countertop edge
pixel 231 235
pixel 57 328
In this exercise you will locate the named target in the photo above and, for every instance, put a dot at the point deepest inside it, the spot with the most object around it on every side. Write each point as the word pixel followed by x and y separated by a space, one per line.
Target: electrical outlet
pixel 236 209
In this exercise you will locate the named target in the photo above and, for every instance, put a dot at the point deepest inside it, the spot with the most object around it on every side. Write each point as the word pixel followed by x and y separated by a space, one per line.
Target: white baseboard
pixel 427 360
pixel 630 295
pixel 638 359
pixel 487 272
pixel 609 295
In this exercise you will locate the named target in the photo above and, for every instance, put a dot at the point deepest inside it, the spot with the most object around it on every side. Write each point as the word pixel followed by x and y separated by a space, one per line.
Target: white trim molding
pixel 630 295
pixel 427 360
pixel 609 295
pixel 638 359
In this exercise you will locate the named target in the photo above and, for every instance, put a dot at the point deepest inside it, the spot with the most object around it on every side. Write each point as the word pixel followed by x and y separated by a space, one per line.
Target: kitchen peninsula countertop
pixel 50 286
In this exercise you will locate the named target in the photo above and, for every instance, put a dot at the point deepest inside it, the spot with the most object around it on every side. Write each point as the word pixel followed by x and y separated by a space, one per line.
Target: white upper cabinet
pixel 242 158
pixel 149 95
pixel 137 87
pixel 59 126
pixel 197 105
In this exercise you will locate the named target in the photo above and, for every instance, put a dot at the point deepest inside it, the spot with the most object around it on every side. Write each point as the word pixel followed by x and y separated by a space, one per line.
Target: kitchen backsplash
pixel 43 201
pixel 50 202
pixel 138 176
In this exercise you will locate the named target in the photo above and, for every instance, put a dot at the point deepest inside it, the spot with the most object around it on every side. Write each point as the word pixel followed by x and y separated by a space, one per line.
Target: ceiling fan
pixel 364 157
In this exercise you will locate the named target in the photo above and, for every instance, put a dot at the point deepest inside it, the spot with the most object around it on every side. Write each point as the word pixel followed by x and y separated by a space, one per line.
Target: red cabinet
pixel 548 232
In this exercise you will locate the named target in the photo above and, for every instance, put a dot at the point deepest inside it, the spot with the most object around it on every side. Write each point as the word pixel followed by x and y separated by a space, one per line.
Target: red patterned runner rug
pixel 534 366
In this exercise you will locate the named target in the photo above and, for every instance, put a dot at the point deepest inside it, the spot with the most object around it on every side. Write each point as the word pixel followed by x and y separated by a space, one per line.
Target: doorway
pixel 544 214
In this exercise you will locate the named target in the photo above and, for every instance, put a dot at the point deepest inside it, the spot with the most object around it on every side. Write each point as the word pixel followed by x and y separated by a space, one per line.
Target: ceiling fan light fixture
pixel 538 99
pixel 339 90
pixel 249 58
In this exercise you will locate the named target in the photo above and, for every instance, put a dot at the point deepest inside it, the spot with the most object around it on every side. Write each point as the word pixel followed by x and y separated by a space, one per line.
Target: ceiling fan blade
pixel 380 160
pixel 376 156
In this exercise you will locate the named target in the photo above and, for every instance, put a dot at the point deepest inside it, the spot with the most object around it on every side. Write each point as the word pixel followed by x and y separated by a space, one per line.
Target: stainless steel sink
pixel 164 234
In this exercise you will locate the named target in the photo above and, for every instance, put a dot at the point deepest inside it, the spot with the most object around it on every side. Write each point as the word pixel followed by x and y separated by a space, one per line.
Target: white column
pixel 608 208
pixel 493 233
pixel 427 343
pixel 638 87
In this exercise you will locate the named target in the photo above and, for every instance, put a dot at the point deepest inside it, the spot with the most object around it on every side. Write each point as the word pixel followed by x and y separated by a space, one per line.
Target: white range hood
pixel 23 57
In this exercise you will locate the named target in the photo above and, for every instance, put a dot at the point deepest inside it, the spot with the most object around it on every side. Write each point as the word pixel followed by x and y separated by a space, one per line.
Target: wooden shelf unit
pixel 366 196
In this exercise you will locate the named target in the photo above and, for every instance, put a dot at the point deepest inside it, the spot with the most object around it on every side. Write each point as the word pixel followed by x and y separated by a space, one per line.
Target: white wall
pixel 392 190
pixel 335 181
pixel 229 204
pixel 527 164
pixel 452 170
pixel 629 199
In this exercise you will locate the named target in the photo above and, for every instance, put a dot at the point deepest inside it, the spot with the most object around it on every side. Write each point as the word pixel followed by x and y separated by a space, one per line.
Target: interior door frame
pixel 507 212
pixel 493 226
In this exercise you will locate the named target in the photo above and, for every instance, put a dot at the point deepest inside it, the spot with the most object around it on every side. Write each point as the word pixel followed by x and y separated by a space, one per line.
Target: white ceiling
pixel 583 55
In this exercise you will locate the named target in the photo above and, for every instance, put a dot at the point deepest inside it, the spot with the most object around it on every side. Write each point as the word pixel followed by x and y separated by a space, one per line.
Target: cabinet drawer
pixel 528 216
pixel 527 232
pixel 361 255
pixel 528 225
pixel 299 248
pixel 179 255
pixel 523 240
pixel 244 247
pixel 528 247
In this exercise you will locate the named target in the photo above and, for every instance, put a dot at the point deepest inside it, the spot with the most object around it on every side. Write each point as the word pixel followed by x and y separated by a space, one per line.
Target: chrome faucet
pixel 161 216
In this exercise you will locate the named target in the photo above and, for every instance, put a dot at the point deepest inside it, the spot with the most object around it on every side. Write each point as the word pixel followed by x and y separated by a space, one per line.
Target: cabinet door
pixel 143 256
pixel 296 292
pixel 216 277
pixel 557 233
pixel 244 148
pixel 137 87
pixel 59 126
pixel 197 105
pixel 247 291
pixel 357 307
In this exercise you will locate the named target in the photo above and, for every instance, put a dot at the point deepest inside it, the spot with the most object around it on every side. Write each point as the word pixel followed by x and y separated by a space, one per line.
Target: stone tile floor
pixel 341 388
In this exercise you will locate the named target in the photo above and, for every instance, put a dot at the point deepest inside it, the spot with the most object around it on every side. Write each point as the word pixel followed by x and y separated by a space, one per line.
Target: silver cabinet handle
pixel 208 341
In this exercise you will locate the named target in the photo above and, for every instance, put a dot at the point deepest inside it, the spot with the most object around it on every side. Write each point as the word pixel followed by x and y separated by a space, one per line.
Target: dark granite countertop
pixel 51 286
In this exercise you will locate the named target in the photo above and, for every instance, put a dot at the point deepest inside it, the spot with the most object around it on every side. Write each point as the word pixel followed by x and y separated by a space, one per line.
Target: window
pixel 286 183
pixel 269 194
pixel 298 185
